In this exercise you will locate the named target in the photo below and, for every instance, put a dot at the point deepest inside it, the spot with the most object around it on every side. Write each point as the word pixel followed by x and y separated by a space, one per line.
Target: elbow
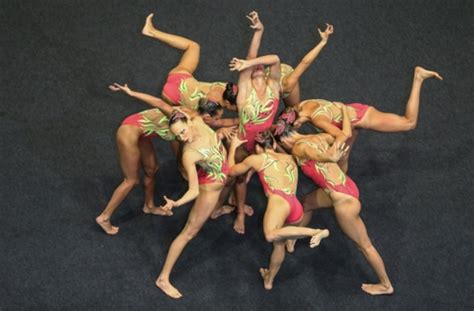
pixel 194 193
pixel 276 59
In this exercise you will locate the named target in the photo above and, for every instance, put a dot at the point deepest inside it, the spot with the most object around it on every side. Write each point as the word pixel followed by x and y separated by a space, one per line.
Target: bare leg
pixel 241 194
pixel 347 211
pixel 220 208
pixel 190 59
pixel 389 122
pixel 129 153
pixel 278 255
pixel 200 212
pixel 150 167
pixel 275 232
pixel 311 201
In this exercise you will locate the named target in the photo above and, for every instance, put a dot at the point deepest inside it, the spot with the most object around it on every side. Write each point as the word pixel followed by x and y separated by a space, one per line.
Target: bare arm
pixel 226 122
pixel 257 35
pixel 346 121
pixel 324 124
pixel 189 163
pixel 320 153
pixel 149 99
pixel 308 59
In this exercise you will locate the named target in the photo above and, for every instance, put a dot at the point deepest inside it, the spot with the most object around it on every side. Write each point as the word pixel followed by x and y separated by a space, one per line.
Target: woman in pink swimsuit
pixel 318 155
pixel 326 115
pixel 135 151
pixel 279 176
pixel 181 87
pixel 204 159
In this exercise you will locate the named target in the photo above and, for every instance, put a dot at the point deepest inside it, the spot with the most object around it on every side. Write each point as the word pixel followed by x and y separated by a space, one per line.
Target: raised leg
pixel 190 59
pixel 390 122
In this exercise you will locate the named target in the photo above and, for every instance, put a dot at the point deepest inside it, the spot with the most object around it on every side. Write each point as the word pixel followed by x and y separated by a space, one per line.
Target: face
pixel 182 131
pixel 227 105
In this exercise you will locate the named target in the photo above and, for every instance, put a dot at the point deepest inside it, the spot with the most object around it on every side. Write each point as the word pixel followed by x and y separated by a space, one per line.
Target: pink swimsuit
pixel 296 209
pixel 326 111
pixel 251 126
pixel 317 171
pixel 157 126
pixel 172 88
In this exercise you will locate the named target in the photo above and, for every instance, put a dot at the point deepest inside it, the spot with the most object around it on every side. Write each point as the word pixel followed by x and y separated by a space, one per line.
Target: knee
pixel 195 46
pixel 131 182
pixel 365 247
pixel 189 234
pixel 151 170
pixel 270 236
pixel 410 125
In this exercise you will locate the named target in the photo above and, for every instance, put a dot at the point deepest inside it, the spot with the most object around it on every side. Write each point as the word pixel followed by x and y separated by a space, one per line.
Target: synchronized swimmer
pixel 217 156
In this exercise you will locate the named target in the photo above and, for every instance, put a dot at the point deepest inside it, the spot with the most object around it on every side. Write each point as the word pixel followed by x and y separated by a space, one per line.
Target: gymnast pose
pixel 327 116
pixel 257 103
pixel 202 148
pixel 135 150
pixel 181 87
pixel 279 176
pixel 317 156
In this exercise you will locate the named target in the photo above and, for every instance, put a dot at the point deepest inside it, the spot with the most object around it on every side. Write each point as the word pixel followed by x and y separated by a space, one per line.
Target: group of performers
pixel 217 156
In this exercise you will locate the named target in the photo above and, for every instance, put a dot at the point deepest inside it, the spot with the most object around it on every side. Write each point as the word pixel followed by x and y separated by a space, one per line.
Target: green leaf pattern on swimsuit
pixel 271 180
pixel 158 125
pixel 213 161
pixel 256 111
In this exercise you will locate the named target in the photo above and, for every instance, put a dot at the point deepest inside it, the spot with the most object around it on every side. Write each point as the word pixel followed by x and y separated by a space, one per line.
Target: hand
pixel 338 150
pixel 115 87
pixel 236 142
pixel 326 33
pixel 238 64
pixel 256 23
pixel 169 204
pixel 227 132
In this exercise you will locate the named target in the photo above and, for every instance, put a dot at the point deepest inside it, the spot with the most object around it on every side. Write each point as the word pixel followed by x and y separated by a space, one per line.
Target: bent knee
pixel 150 171
pixel 131 182
pixel 270 237
pixel 194 46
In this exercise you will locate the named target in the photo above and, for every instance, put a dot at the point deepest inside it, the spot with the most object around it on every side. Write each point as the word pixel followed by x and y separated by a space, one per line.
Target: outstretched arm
pixel 290 81
pixel 149 99
pixel 256 25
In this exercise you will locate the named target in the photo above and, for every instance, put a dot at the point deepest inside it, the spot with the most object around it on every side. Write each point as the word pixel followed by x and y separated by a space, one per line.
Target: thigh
pixel 317 199
pixel 202 208
pixel 276 213
pixel 347 214
pixel 129 151
pixel 382 121
pixel 147 154
pixel 189 60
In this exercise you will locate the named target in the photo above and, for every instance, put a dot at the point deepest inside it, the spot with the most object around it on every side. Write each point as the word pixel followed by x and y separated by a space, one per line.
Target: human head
pixel 264 140
pixel 258 71
pixel 288 115
pixel 230 94
pixel 180 127
pixel 209 110
pixel 285 134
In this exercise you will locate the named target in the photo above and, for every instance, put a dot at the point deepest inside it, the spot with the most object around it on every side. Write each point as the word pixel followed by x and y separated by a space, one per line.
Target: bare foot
pixel 106 225
pixel 377 289
pixel 265 273
pixel 223 210
pixel 168 289
pixel 148 27
pixel 247 208
pixel 422 74
pixel 290 246
pixel 316 239
pixel 239 224
pixel 156 211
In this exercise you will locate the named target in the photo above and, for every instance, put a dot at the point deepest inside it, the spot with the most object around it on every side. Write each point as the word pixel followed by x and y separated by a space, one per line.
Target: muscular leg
pixel 274 230
pixel 311 201
pixel 150 167
pixel 129 153
pixel 200 212
pixel 347 213
pixel 190 59
pixel 241 194
pixel 344 161
pixel 389 122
